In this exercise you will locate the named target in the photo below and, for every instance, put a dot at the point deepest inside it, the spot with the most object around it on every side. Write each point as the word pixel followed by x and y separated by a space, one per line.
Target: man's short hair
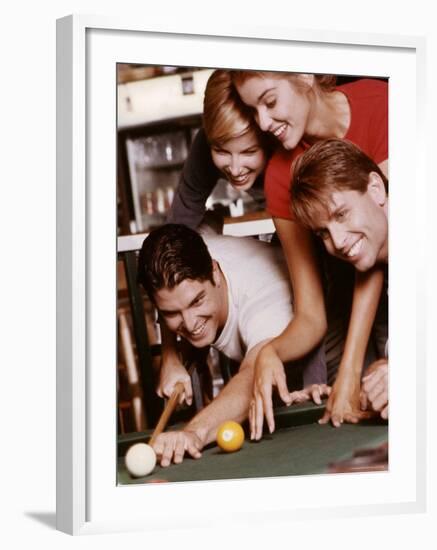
pixel 171 254
pixel 329 165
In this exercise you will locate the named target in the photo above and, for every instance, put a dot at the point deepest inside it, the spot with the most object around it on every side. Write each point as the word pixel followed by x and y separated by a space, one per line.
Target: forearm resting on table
pixel 232 403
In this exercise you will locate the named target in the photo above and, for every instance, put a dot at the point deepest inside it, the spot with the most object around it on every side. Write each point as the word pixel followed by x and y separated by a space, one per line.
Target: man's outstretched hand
pixel 172 446
pixel 374 390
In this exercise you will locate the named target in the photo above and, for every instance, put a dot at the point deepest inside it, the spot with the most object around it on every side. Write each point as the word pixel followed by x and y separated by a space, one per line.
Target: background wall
pixel 27 94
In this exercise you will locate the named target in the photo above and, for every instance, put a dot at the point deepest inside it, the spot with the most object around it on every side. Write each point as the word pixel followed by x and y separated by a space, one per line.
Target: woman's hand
pixel 313 392
pixel 344 401
pixel 269 373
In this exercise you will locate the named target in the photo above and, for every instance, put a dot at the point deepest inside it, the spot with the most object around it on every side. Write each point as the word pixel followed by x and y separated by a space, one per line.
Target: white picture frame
pixel 88 499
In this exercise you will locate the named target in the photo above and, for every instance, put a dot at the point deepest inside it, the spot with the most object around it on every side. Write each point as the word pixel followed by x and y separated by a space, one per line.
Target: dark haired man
pixel 231 293
pixel 342 195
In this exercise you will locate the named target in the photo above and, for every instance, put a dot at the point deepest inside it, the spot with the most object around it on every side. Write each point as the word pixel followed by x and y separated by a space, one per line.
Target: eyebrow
pixel 331 212
pixel 264 93
pixel 334 210
pixel 198 296
pixel 253 146
pixel 324 219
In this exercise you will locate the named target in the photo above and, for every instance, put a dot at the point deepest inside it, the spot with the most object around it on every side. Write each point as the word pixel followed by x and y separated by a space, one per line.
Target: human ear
pixel 376 188
pixel 216 273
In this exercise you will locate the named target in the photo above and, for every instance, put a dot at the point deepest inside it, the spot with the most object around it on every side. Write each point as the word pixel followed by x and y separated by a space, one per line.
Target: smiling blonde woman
pixel 229 145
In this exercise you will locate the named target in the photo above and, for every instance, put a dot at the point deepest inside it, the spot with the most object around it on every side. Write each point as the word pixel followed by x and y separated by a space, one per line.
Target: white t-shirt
pixel 259 292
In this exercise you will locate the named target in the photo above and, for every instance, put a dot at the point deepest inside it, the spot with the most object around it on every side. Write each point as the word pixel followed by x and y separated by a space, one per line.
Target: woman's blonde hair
pixel 225 116
pixel 325 81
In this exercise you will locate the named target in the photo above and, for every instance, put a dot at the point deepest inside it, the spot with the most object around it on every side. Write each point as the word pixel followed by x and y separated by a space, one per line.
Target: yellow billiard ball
pixel 230 436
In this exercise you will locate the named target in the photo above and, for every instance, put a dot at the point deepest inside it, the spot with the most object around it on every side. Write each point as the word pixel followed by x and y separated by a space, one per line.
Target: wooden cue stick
pixel 169 408
pixel 167 412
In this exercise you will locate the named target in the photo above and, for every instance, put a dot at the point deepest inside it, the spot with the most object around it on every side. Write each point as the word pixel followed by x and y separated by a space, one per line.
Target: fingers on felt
pixel 337 419
pixel 380 401
pixel 167 455
pixel 194 450
pixel 267 407
pixel 179 451
pixel 259 417
pixel 281 384
pixel 354 417
pixel 158 447
pixel 363 400
pixel 252 419
pixel 366 415
pixel 175 448
pixel 316 394
pixel 351 418
pixel 325 418
pixel 298 396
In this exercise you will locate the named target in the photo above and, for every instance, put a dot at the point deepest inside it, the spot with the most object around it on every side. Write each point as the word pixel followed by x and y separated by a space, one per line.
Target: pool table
pixel 298 446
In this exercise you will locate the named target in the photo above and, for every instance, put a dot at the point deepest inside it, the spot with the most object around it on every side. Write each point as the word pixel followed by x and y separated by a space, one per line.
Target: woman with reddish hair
pixel 297 110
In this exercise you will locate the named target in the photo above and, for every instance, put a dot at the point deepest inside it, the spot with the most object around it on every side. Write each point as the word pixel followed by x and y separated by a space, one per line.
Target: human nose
pixel 235 165
pixel 263 119
pixel 337 237
pixel 188 320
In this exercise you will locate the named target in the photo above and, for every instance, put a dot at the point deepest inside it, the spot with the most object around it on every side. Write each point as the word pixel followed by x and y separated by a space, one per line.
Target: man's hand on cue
pixel 172 372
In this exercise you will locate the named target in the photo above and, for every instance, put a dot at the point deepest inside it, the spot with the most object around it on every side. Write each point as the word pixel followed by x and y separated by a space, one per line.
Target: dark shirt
pixel 198 178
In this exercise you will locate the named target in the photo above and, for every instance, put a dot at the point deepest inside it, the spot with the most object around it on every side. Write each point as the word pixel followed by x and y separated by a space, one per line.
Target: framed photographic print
pixel 130 113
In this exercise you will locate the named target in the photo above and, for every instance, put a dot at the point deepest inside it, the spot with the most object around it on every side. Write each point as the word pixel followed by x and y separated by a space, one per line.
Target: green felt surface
pixel 298 446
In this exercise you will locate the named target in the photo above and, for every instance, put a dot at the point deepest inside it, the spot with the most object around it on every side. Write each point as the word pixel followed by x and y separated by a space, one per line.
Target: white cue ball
pixel 140 459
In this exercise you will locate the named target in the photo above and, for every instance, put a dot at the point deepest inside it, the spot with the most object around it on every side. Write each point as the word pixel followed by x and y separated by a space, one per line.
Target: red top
pixel 368 101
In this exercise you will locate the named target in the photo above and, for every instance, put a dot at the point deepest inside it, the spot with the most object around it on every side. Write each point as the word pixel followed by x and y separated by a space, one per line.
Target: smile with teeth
pixel 355 249
pixel 242 178
pixel 199 330
pixel 280 130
